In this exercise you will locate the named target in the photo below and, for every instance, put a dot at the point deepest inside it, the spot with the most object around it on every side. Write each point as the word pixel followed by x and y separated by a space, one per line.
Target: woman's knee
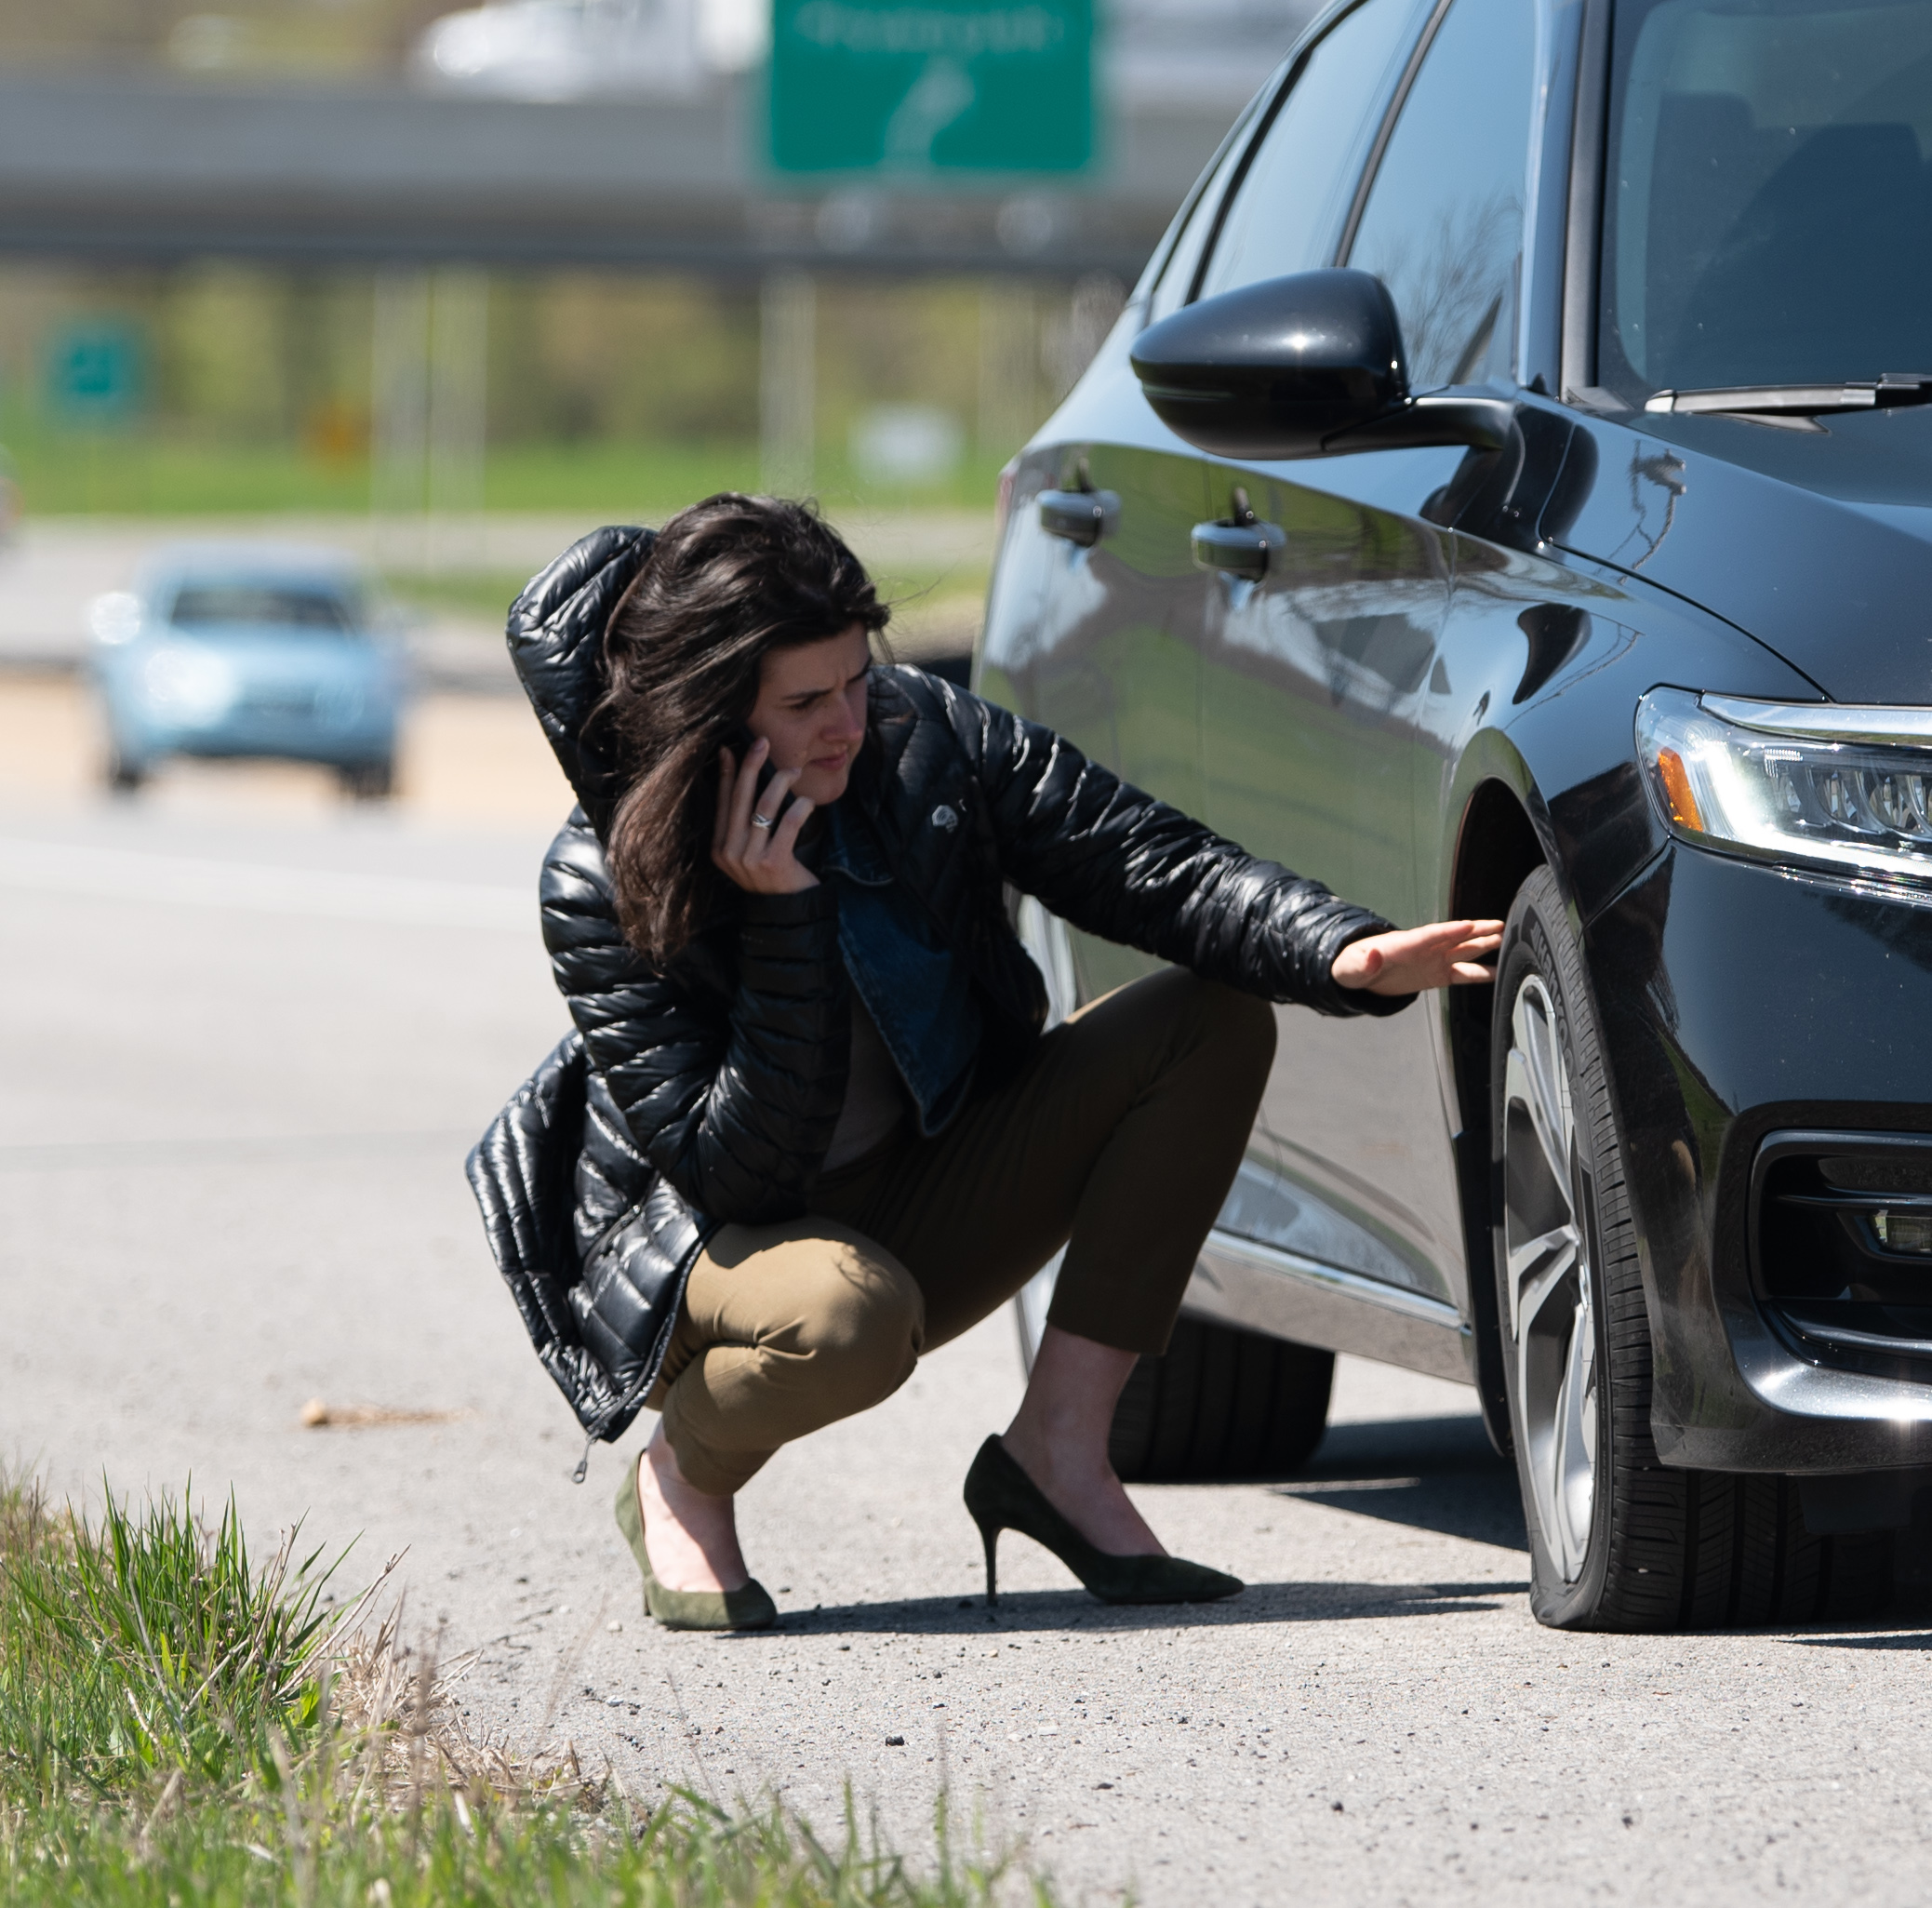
pixel 858 1320
pixel 1238 1027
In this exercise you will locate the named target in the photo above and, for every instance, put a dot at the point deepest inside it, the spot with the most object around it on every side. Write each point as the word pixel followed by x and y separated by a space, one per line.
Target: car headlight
pixel 114 618
pixel 1824 784
pixel 188 682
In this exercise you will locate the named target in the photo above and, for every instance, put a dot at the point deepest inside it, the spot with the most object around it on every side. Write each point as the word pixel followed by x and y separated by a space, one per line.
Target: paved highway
pixel 243 1045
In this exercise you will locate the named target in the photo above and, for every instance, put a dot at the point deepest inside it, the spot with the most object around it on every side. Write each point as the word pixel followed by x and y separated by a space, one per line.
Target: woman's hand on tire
pixel 1412 960
pixel 756 846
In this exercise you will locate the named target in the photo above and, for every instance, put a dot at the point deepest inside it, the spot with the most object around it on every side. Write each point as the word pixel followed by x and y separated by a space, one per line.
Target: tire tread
pixel 1221 1403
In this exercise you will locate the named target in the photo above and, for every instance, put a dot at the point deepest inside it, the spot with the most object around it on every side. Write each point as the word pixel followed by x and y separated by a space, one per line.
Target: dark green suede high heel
pixel 749 1609
pixel 1002 1497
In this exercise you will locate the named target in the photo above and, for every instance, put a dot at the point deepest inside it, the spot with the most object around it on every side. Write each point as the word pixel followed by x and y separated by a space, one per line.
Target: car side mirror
pixel 1306 366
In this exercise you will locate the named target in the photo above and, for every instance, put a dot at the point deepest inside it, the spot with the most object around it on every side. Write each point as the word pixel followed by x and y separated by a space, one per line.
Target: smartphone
pixel 740 741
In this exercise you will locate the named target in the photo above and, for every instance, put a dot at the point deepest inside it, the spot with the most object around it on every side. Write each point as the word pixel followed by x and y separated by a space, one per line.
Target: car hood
pixel 1818 542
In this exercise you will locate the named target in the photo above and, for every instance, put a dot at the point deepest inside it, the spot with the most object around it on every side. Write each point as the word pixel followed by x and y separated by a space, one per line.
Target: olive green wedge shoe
pixel 749 1609
pixel 1002 1497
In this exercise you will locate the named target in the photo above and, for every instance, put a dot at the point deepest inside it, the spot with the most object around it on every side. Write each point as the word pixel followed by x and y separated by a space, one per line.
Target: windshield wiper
pixel 1895 388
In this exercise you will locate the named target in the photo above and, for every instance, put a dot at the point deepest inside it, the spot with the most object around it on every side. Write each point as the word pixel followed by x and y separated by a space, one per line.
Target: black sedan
pixel 1509 492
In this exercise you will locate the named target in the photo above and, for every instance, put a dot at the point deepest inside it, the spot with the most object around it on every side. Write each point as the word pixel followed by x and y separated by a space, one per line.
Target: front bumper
pixel 305 729
pixel 1739 1001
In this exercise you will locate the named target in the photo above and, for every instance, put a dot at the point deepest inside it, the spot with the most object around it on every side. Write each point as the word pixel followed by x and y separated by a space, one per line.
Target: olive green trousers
pixel 1118 1140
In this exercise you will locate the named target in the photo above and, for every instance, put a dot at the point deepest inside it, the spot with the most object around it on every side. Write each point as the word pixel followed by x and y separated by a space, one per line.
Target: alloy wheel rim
pixel 1547 1269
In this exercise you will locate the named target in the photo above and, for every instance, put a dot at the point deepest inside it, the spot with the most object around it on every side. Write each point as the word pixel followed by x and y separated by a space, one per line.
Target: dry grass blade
pixel 319 1415
pixel 395 1702
pixel 170 1797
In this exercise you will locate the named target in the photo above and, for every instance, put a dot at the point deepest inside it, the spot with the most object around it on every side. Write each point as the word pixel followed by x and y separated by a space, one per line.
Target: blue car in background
pixel 250 650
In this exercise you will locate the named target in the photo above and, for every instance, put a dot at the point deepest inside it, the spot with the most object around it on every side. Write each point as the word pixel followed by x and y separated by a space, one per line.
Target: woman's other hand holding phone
pixel 755 837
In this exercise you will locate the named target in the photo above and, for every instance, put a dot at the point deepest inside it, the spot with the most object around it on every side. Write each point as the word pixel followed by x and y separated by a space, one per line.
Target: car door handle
pixel 1079 516
pixel 1241 550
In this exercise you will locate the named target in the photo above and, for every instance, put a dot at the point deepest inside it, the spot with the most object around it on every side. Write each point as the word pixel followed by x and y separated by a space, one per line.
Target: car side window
pixel 1287 213
pixel 1176 277
pixel 1443 224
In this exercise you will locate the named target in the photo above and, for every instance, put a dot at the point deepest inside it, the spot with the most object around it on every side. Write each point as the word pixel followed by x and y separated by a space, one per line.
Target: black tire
pixel 1659 1548
pixel 1221 1403
pixel 368 782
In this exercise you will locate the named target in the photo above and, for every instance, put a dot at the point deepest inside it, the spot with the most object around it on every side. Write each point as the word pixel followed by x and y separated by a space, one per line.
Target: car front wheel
pixel 124 774
pixel 368 782
pixel 1617 1540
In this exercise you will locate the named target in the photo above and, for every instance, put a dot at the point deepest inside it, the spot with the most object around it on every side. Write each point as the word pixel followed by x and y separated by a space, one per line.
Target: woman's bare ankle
pixel 1059 1438
pixel 1090 1496
pixel 690 1536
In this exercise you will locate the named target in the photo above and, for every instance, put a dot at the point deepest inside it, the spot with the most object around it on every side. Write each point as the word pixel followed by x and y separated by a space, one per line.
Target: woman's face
pixel 811 710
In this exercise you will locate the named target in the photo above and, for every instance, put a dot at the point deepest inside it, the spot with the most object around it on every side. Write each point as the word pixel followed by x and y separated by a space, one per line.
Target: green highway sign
pixel 96 370
pixel 911 87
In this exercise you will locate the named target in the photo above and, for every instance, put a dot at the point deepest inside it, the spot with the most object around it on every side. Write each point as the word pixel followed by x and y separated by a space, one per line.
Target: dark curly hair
pixel 728 580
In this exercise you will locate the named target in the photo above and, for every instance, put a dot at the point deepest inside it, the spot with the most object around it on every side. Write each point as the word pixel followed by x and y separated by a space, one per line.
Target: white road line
pixel 179 881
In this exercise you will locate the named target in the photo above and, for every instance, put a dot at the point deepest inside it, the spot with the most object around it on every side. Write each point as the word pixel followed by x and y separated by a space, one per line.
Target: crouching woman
pixel 809 1128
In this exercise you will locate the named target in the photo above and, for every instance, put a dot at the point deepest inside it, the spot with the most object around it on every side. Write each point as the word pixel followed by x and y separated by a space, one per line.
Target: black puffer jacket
pixel 707 1092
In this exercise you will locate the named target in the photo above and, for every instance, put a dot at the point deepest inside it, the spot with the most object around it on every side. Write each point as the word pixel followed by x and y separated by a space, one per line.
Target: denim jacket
pixel 916 990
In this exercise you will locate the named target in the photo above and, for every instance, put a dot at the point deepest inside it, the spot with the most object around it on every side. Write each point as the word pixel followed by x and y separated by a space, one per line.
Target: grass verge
pixel 159 471
pixel 179 1726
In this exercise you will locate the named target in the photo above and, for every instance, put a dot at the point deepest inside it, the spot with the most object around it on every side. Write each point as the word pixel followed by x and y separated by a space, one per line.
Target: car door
pixel 1332 587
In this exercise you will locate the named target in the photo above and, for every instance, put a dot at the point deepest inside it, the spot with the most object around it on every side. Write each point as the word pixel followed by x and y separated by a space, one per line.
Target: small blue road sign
pixel 97 370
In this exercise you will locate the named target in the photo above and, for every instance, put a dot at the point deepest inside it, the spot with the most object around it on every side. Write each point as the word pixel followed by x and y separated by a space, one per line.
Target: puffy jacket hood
pixel 556 645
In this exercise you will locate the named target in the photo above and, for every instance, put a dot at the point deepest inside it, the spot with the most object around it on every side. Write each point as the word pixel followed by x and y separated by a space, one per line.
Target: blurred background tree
pixel 600 390
pixel 319 35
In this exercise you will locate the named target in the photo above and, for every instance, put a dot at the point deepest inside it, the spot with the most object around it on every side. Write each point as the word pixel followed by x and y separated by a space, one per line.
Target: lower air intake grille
pixel 1841 1239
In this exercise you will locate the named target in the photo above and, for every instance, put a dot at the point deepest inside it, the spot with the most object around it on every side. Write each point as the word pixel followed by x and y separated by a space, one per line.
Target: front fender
pixel 1549 663
pixel 1554 659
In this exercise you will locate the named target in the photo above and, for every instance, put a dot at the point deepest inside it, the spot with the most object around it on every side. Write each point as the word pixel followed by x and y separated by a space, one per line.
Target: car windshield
pixel 1767 216
pixel 226 603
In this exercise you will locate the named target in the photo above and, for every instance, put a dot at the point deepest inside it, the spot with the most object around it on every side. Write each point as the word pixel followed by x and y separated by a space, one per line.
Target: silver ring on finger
pixel 759 821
